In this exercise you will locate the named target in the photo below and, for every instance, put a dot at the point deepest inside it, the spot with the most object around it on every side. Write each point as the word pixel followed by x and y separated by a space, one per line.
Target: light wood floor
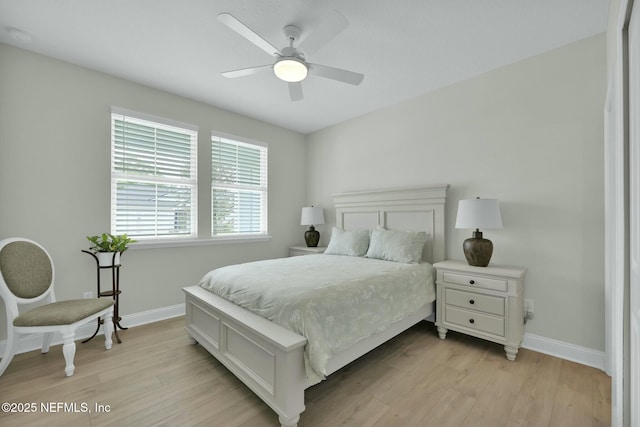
pixel 155 378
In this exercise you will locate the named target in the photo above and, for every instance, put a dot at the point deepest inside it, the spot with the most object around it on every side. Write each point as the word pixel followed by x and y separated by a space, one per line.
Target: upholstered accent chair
pixel 26 277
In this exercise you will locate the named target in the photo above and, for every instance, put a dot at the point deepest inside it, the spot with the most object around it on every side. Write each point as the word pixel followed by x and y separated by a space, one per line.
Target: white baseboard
pixel 563 350
pixel 34 341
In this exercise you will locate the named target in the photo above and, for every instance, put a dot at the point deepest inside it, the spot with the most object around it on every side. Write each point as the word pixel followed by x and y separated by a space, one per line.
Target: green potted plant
pixel 108 247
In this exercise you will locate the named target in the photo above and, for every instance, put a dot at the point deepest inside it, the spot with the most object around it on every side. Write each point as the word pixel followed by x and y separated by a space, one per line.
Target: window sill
pixel 176 243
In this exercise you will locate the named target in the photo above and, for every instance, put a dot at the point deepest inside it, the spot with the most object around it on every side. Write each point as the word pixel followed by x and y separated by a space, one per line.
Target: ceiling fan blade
pixel 245 71
pixel 295 91
pixel 333 24
pixel 246 32
pixel 336 74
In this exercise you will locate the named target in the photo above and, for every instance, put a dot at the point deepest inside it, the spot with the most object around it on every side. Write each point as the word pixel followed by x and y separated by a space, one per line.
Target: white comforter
pixel 332 300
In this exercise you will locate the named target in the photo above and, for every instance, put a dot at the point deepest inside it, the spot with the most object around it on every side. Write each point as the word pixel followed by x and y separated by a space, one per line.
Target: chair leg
pixel 46 342
pixel 107 321
pixel 9 351
pixel 69 351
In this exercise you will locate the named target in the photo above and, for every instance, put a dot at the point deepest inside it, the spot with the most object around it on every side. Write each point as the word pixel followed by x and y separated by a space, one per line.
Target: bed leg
pixel 289 422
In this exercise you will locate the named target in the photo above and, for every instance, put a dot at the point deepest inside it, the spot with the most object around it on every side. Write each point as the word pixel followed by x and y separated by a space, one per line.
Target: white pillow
pixel 395 245
pixel 348 242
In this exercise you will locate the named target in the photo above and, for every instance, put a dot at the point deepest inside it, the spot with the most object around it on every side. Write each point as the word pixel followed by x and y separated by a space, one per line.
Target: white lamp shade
pixel 478 213
pixel 312 216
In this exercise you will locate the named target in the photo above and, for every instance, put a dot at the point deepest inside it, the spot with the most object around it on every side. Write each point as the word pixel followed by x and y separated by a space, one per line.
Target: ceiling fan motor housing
pixel 291 66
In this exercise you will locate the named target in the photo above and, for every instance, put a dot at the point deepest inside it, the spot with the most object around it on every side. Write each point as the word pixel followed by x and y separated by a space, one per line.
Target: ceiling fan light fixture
pixel 290 69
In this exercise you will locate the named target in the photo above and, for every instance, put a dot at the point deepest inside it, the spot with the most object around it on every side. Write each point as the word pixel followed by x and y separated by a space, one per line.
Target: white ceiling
pixel 405 47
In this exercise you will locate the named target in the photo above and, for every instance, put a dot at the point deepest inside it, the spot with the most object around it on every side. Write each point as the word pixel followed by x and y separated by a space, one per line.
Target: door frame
pixel 634 213
pixel 617 255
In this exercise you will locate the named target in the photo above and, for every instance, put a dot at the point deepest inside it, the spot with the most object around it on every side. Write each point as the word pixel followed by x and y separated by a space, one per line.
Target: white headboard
pixel 407 209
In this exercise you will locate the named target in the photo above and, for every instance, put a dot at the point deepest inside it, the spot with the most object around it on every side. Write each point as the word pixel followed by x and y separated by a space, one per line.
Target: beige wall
pixel 529 134
pixel 55 182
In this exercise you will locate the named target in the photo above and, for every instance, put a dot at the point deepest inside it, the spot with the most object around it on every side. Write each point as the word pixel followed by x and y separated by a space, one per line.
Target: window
pixel 153 176
pixel 238 188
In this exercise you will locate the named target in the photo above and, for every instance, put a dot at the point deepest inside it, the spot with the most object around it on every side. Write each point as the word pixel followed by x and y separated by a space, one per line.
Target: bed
pixel 270 359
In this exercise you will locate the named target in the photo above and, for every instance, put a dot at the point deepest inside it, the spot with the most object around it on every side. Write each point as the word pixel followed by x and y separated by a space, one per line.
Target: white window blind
pixel 153 177
pixel 238 188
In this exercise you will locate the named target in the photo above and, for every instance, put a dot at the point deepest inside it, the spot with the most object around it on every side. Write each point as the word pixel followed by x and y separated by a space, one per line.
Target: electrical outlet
pixel 87 295
pixel 528 308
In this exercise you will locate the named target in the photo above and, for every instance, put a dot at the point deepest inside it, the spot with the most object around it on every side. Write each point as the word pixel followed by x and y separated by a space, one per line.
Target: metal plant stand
pixel 114 293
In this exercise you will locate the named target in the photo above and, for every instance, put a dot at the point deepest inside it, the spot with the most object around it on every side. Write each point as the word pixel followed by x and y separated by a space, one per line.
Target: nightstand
pixel 485 302
pixel 305 250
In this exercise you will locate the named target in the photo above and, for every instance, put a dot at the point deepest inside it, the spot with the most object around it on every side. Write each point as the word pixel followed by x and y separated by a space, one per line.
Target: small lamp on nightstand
pixel 478 213
pixel 312 216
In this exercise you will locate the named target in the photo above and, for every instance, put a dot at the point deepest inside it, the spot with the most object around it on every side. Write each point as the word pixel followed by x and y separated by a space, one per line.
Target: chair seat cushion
pixel 62 312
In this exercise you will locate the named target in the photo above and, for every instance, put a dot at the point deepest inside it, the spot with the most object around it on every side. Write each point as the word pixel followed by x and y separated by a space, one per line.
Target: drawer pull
pixel 472 321
pixel 472 282
pixel 471 302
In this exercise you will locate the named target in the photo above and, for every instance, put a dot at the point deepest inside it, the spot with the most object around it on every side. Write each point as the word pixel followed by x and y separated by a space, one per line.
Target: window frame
pixel 263 188
pixel 202 203
pixel 192 182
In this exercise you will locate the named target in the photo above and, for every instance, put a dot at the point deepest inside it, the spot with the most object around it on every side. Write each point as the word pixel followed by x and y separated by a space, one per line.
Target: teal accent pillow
pixel 348 242
pixel 398 246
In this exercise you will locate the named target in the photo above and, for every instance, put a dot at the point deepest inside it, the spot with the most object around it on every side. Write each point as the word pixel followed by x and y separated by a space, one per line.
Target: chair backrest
pixel 26 269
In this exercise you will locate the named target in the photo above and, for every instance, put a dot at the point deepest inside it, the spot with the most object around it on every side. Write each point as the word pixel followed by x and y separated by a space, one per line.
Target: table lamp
pixel 478 213
pixel 312 216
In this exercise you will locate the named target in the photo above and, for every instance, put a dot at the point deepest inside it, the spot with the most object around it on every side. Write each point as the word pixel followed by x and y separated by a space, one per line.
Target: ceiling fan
pixel 290 63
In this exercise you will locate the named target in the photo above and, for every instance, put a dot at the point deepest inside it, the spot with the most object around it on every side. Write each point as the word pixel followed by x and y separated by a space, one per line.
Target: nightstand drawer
pixel 475 281
pixel 473 301
pixel 474 320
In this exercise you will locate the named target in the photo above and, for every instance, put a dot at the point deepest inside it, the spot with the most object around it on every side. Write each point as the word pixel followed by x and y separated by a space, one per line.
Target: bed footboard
pixel 266 357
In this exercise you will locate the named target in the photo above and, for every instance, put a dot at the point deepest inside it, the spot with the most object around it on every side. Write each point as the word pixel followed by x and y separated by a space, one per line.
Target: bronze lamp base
pixel 311 237
pixel 477 250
